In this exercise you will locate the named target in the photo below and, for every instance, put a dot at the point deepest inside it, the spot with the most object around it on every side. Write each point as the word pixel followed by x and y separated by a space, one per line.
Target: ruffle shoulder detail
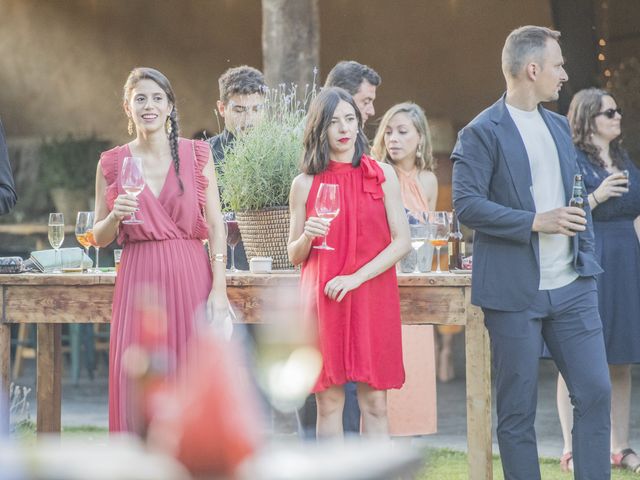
pixel 109 166
pixel 202 152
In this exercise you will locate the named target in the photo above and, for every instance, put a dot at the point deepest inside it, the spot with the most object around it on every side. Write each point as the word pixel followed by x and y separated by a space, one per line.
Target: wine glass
pixel 327 207
pixel 233 236
pixel 84 226
pixel 132 182
pixel 419 230
pixel 439 233
pixel 56 236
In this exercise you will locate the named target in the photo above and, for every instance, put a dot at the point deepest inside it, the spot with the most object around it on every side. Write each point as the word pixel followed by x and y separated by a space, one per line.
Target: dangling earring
pixel 167 126
pixel 130 127
pixel 419 151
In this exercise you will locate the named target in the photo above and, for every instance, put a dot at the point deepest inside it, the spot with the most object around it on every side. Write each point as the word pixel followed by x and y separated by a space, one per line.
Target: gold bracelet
pixel 220 257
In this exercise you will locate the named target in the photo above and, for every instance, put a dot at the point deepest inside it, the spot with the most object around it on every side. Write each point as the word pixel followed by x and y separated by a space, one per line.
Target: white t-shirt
pixel 556 256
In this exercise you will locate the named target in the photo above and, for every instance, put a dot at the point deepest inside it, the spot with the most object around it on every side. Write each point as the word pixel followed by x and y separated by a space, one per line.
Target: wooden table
pixel 50 300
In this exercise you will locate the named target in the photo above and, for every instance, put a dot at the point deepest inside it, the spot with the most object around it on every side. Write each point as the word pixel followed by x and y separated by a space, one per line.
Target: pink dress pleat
pixel 164 278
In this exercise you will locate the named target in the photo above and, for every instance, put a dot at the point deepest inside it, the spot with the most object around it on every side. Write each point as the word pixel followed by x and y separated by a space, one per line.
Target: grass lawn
pixel 446 464
pixel 25 432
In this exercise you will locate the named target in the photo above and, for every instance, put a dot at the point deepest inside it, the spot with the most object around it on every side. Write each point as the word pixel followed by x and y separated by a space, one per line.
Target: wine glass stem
pixel 84 270
pixel 438 260
pixel 55 259
pixel 97 257
pixel 233 258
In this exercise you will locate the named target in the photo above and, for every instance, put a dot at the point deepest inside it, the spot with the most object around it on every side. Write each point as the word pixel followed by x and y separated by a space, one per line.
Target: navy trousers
pixel 567 319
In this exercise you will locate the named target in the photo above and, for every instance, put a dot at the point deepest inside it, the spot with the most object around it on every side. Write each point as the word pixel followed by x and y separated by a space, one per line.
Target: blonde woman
pixel 403 141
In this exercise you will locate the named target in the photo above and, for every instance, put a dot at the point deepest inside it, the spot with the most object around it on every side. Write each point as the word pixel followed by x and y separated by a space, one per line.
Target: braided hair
pixel 145 73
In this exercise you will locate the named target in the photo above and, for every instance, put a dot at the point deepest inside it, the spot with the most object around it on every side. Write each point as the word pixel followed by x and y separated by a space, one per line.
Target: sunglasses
pixel 610 112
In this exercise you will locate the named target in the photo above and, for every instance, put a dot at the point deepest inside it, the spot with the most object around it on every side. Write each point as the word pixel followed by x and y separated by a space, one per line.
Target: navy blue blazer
pixel 492 193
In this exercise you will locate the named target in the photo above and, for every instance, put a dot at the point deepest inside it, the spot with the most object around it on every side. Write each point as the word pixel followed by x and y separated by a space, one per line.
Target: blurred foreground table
pixel 49 300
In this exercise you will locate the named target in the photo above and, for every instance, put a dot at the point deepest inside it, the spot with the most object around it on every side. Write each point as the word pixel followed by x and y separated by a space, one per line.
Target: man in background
pixel 360 81
pixel 242 92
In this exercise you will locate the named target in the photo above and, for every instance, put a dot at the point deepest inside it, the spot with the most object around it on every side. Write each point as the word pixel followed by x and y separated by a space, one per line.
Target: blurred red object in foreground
pixel 210 423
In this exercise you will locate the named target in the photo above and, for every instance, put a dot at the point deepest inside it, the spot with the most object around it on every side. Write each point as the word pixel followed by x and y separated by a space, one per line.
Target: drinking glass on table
pixel 132 182
pixel 56 236
pixel 84 230
pixel 439 233
pixel 419 230
pixel 233 236
pixel 327 207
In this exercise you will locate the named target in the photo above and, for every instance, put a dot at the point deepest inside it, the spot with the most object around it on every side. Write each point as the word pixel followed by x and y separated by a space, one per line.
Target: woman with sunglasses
pixel 612 182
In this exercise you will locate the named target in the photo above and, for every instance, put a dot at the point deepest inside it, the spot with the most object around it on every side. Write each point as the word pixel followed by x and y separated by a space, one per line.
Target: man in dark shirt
pixel 8 195
pixel 242 91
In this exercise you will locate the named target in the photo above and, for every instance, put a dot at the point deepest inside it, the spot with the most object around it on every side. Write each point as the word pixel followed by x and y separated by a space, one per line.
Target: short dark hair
pixel 349 76
pixel 315 158
pixel 523 44
pixel 243 80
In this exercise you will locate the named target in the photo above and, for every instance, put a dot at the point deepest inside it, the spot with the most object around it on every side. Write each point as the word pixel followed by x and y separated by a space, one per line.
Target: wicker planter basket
pixel 265 234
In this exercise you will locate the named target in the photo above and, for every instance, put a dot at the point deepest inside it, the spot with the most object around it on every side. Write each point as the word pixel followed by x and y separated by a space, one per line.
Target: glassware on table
pixel 56 236
pixel 327 207
pixel 132 182
pixel 84 227
pixel 439 233
pixel 419 230
pixel 233 236
pixel 96 247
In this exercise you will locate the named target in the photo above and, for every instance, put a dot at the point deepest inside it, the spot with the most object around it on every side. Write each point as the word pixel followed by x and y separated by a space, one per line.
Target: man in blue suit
pixel 533 257
pixel 8 195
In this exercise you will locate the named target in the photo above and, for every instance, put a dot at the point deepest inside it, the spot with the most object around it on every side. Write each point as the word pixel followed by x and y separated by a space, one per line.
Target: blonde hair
pixel 425 160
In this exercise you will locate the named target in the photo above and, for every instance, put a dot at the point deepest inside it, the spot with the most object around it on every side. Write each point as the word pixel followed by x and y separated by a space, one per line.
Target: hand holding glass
pixel 132 182
pixel 439 233
pixel 56 236
pixel 327 207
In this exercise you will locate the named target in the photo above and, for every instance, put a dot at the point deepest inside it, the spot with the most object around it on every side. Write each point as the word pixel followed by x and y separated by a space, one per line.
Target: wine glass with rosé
pixel 439 233
pixel 327 207
pixel 84 227
pixel 233 236
pixel 132 182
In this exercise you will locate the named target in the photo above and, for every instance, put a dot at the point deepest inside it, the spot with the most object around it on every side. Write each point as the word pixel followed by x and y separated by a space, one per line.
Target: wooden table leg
pixel 5 375
pixel 478 371
pixel 49 377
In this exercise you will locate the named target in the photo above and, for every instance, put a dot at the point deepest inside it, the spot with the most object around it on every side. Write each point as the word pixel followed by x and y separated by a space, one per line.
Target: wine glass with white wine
pixel 132 182
pixel 56 237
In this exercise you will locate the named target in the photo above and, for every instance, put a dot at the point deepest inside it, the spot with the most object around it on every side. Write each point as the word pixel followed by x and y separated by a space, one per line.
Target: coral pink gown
pixel 164 277
pixel 360 337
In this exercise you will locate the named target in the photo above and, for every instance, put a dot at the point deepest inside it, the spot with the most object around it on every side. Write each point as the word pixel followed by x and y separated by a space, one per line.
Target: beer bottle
pixel 577 199
pixel 456 244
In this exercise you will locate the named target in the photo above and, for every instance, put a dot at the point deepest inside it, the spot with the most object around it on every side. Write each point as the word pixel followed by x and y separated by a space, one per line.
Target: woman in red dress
pixel 351 292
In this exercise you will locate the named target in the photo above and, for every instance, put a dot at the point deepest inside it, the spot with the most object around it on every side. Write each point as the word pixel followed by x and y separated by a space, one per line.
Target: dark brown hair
pixel 315 157
pixel 243 80
pixel 584 107
pixel 350 75
pixel 144 73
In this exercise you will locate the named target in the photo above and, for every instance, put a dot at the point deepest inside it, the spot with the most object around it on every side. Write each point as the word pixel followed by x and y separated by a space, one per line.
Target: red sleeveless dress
pixel 360 337
pixel 164 278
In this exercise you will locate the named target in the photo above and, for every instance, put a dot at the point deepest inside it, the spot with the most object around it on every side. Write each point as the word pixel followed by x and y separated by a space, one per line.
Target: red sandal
pixel 627 459
pixel 566 462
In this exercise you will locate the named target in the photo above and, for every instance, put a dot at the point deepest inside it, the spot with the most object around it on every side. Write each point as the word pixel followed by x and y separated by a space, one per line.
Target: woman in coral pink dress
pixel 404 141
pixel 165 278
pixel 351 291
